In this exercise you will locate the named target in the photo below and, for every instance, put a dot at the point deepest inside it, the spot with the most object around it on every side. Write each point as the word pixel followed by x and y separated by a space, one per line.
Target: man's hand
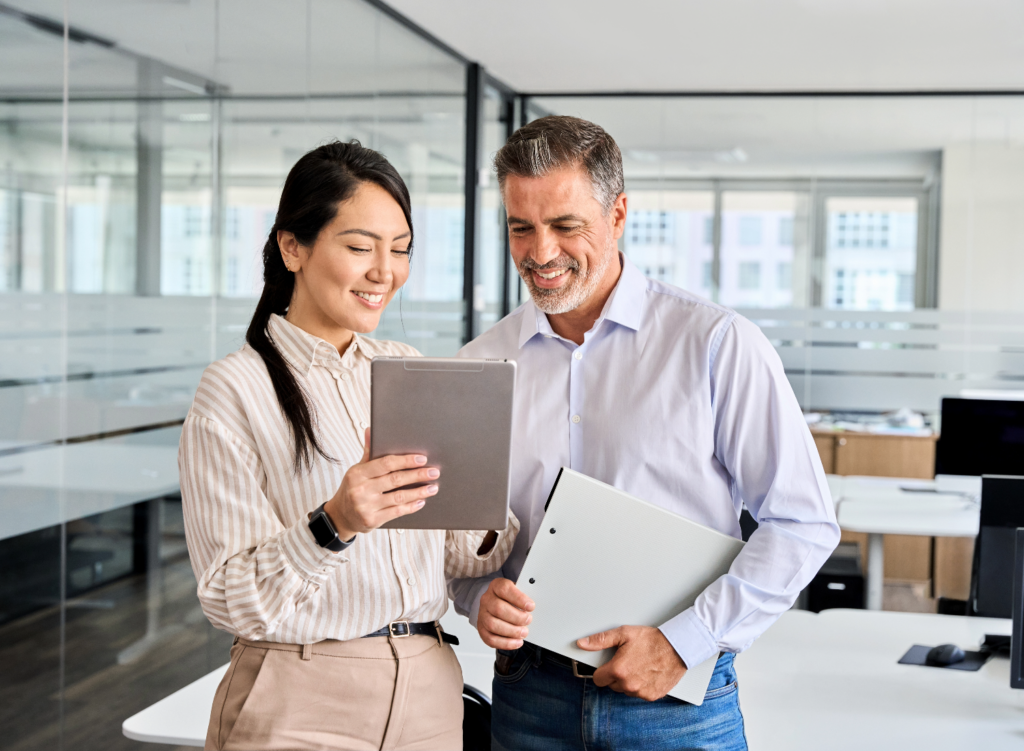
pixel 644 665
pixel 504 615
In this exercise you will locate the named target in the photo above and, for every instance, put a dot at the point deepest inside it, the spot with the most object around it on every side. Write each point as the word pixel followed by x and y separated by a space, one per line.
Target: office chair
pixel 476 720
pixel 991 590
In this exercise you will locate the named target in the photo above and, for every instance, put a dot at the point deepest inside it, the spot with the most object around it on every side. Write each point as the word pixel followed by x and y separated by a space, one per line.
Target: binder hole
pixel 532 580
pixel 552 530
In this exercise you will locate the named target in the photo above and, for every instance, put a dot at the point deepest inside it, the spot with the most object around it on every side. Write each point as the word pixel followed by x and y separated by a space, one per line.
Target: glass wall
pixel 133 215
pixel 874 239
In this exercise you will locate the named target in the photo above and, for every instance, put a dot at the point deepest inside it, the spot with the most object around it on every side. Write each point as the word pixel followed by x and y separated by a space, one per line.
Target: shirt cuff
pixel 467 601
pixel 690 638
pixel 311 561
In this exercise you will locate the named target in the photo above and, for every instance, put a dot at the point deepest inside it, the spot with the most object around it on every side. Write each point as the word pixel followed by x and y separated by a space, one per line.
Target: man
pixel 666 396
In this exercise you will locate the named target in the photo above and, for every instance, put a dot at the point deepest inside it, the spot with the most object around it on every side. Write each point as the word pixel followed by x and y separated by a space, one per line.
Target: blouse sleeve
pixel 461 560
pixel 253 571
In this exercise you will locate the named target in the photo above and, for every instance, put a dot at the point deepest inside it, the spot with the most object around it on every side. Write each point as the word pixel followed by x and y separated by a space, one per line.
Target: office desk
pixel 181 718
pixel 54 484
pixel 832 682
pixel 878 506
pixel 827 681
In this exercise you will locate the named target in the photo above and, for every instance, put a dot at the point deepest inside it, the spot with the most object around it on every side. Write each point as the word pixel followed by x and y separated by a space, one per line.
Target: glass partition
pixel 872 238
pixel 133 216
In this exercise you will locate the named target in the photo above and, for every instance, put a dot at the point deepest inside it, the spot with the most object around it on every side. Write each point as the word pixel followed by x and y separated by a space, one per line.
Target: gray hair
pixel 558 141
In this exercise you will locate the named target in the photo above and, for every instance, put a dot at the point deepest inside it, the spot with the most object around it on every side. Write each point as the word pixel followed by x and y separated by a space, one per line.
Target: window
pixel 709 230
pixel 871 252
pixel 757 232
pixel 784 275
pixel 750 231
pixel 650 228
pixel 786 232
pixel 750 275
pixel 905 290
pixel 194 221
pixel 665 235
pixel 705 282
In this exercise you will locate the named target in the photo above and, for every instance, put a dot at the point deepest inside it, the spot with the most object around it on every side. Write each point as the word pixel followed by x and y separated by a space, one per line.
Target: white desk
pixel 828 681
pixel 55 484
pixel 878 506
pixel 181 718
pixel 832 682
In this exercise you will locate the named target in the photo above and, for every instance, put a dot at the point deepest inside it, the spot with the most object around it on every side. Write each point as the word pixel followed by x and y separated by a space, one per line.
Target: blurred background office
pixel 849 175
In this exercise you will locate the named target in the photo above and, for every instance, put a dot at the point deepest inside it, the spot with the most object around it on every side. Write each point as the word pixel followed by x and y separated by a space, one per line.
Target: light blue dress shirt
pixel 685 404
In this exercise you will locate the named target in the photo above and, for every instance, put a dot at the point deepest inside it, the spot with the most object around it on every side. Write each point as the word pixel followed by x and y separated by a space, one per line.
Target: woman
pixel 282 504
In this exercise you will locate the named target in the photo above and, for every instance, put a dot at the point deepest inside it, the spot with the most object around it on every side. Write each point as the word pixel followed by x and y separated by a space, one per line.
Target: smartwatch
pixel 324 532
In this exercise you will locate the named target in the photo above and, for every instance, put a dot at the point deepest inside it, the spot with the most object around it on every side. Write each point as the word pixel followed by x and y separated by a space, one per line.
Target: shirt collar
pixel 303 350
pixel 625 306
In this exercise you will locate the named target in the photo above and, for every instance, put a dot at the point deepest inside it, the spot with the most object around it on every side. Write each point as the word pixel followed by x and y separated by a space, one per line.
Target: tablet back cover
pixel 458 413
pixel 603 559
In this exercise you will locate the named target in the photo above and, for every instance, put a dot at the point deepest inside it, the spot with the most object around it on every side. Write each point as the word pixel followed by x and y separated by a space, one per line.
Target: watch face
pixel 320 526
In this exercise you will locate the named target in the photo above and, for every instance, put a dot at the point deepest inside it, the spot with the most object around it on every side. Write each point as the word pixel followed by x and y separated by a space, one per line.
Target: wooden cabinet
pixel 946 562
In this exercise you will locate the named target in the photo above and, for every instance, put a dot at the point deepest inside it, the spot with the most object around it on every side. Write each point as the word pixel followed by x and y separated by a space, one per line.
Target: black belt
pixel 579 669
pixel 401 629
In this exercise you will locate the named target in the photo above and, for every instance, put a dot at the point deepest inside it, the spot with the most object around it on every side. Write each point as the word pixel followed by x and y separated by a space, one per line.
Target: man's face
pixel 562 243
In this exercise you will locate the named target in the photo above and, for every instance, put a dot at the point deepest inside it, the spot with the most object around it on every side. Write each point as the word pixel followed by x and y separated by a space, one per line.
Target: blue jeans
pixel 540 705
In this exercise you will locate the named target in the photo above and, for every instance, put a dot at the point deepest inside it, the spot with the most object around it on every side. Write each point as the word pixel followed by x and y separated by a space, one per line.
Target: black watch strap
pixel 324 533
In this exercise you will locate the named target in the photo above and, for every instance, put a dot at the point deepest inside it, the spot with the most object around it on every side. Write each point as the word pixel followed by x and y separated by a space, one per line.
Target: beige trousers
pixel 375 693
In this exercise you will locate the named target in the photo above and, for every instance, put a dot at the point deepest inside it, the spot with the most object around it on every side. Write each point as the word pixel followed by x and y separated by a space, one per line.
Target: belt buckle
pixel 576 671
pixel 395 635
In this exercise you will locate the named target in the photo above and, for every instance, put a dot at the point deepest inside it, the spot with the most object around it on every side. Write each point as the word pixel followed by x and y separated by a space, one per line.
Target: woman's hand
pixel 363 502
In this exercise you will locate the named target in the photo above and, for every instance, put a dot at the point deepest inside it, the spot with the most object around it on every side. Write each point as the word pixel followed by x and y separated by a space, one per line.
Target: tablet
pixel 458 413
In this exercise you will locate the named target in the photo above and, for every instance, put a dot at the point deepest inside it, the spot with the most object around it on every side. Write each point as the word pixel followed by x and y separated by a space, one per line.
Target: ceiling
pixel 748 45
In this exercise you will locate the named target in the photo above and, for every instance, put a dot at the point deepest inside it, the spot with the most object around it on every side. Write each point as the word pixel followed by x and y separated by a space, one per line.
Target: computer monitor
pixel 1017 640
pixel 981 437
pixel 1002 513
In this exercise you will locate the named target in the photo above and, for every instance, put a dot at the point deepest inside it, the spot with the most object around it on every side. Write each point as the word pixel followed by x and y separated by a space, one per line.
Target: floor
pixel 99 692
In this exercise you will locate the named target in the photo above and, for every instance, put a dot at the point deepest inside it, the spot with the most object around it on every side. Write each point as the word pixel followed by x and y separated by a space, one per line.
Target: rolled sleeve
pixel 312 562
pixel 253 572
pixel 462 560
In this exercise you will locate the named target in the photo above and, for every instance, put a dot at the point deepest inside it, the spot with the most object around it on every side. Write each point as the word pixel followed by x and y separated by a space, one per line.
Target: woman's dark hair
pixel 316 185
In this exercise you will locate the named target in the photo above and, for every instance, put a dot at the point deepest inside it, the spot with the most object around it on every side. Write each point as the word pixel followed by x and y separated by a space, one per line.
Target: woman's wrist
pixel 333 512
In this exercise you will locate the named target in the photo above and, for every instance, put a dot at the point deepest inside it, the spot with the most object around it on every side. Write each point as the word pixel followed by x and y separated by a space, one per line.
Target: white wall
pixel 981 242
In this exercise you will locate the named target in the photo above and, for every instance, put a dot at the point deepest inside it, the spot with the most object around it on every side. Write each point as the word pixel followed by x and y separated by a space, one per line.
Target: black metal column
pixel 472 292
pixel 508 276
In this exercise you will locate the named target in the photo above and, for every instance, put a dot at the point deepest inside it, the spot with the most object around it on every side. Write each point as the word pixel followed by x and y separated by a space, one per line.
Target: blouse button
pixel 411 580
pixel 346 377
pixel 362 424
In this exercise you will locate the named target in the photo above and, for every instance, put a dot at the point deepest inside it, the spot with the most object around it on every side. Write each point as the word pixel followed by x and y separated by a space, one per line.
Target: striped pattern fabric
pixel 261 573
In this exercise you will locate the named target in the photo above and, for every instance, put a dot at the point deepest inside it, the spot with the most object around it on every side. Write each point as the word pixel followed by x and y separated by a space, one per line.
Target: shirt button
pixel 576 418
pixel 411 580
pixel 362 425
pixel 401 531
pixel 578 355
pixel 346 377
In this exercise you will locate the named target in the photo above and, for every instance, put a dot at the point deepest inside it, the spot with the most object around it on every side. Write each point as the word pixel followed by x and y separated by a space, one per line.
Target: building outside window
pixel 871 252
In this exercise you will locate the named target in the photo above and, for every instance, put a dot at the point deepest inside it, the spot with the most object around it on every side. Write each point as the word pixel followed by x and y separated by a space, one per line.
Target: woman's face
pixel 357 263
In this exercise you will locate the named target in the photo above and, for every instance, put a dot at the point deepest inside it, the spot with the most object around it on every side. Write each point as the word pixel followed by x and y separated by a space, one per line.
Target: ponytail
pixel 318 182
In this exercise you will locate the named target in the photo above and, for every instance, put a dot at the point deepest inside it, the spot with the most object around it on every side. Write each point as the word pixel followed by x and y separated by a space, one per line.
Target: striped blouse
pixel 261 574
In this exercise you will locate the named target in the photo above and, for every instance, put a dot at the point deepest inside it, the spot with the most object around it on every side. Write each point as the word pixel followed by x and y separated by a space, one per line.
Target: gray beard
pixel 572 295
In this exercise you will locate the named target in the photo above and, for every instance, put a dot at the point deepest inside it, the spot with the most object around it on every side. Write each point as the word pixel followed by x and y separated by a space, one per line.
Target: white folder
pixel 603 559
